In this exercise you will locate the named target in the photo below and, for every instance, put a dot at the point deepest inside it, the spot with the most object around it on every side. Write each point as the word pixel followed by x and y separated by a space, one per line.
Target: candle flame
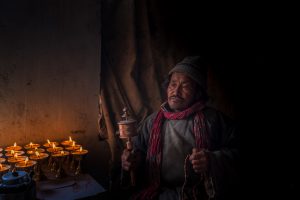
pixel 35 148
pixel 48 141
pixel 15 144
pixel 80 149
pixel 37 154
pixel 12 152
pixel 30 144
pixel 73 144
pixel 70 139
pixel 15 156
pixel 53 146
pixel 62 152
pixel 26 161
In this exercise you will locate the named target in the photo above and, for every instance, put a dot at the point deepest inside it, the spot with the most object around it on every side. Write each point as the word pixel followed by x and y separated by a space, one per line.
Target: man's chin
pixel 176 107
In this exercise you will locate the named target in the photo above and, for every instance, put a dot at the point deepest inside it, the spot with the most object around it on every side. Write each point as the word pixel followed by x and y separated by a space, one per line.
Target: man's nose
pixel 177 90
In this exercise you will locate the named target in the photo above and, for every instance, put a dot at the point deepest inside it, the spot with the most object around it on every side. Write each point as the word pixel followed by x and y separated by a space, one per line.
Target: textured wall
pixel 49 74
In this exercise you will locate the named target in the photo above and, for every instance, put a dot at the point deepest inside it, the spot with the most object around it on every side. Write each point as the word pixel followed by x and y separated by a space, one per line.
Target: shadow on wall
pixel 97 161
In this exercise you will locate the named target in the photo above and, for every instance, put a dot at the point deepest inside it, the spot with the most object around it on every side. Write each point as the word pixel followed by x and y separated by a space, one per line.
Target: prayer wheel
pixel 128 129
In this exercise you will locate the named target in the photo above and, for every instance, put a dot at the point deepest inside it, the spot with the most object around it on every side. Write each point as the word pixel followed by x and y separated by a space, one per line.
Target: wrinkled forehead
pixel 180 77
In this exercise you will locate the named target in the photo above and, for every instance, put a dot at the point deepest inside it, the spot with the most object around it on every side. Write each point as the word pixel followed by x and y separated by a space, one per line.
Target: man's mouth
pixel 176 98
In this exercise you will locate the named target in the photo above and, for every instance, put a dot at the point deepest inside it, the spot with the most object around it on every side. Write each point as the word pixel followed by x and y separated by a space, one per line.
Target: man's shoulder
pixel 215 114
pixel 210 111
pixel 147 121
pixel 150 118
pixel 152 115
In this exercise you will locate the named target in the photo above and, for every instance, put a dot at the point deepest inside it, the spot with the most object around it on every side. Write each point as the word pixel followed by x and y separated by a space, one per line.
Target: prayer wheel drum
pixel 127 128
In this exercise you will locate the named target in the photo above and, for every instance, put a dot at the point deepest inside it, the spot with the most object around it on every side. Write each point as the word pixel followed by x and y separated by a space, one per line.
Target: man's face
pixel 181 91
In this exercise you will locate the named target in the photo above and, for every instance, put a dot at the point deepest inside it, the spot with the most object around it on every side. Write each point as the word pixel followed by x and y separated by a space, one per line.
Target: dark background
pixel 250 45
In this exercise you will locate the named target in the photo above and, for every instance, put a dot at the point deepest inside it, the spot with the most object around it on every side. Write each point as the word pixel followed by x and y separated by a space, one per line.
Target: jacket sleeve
pixel 224 157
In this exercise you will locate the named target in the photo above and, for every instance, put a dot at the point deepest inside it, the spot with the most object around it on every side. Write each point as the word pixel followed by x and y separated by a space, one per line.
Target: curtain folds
pixel 135 55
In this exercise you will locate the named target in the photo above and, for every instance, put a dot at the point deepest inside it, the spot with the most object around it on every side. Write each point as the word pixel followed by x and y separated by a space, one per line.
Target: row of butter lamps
pixel 16 159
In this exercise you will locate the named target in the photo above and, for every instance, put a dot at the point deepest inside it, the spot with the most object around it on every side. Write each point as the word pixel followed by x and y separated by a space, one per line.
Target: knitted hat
pixel 195 67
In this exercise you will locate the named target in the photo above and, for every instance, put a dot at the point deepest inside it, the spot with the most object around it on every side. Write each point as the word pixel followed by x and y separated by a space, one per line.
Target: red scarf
pixel 154 153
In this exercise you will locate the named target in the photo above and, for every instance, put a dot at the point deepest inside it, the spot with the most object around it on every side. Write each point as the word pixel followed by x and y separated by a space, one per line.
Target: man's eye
pixel 172 85
pixel 186 86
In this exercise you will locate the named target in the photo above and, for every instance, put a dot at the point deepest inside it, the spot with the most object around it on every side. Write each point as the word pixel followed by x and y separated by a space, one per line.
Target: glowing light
pixel 70 139
pixel 26 161
pixel 48 141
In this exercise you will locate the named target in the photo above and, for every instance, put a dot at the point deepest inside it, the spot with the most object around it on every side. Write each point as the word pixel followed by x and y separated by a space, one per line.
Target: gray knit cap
pixel 195 67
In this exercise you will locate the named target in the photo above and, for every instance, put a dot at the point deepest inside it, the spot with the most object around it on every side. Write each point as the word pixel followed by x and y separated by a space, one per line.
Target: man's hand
pixel 199 161
pixel 130 160
pixel 126 163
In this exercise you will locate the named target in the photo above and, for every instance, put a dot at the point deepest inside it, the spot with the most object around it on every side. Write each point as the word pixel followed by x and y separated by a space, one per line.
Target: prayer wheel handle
pixel 130 149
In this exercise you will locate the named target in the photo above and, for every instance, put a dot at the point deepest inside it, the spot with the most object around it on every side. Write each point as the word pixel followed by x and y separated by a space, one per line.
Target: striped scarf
pixel 154 153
